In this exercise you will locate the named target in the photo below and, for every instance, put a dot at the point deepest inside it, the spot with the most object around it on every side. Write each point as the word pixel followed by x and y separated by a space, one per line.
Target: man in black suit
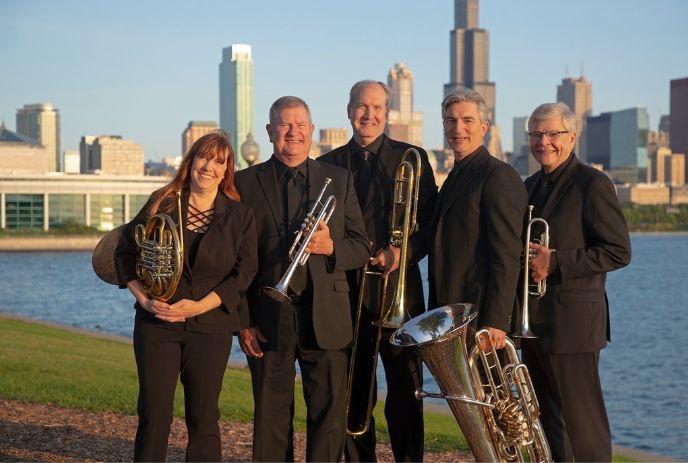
pixel 315 328
pixel 475 238
pixel 588 238
pixel 372 158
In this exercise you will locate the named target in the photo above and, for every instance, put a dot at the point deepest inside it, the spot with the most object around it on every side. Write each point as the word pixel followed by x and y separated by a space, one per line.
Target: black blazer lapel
pixel 560 188
pixel 469 173
pixel 267 180
pixel 532 185
pixel 205 247
pixel 316 180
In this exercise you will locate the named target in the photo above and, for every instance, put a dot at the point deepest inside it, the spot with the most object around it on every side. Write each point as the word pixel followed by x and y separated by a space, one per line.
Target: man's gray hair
pixel 361 84
pixel 287 102
pixel 550 111
pixel 463 94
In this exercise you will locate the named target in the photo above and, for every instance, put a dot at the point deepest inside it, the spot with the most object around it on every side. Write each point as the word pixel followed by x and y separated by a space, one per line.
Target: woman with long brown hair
pixel 189 336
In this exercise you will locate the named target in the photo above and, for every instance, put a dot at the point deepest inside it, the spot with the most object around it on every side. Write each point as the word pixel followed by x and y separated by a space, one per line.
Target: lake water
pixel 643 370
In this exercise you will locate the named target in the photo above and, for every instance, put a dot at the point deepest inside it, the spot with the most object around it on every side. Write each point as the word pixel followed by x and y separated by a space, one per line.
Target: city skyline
pixel 152 68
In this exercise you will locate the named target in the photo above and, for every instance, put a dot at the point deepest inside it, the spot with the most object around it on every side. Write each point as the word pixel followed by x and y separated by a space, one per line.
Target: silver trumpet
pixel 538 289
pixel 297 253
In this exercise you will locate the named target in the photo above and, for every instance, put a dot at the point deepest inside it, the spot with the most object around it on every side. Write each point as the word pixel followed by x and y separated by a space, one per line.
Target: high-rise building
pixel 663 131
pixel 330 138
pixel 236 95
pixel 618 140
pixel 678 109
pixel 577 95
pixel 41 122
pixel 111 154
pixel 71 162
pixel 403 123
pixel 677 169
pixel 469 60
pixel 194 131
pixel 521 159
pixel 20 154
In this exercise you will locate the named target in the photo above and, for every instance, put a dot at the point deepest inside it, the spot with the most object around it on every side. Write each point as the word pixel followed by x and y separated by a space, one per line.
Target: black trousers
pixel 403 412
pixel 323 373
pixel 165 352
pixel 572 410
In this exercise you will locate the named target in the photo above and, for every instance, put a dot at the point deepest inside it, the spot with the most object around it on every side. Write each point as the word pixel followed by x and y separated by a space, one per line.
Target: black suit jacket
pixel 226 262
pixel 589 232
pixel 377 210
pixel 475 240
pixel 331 317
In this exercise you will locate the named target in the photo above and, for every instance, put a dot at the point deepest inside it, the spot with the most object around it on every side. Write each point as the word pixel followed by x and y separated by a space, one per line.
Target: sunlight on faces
pixel 551 152
pixel 463 129
pixel 207 172
pixel 368 114
pixel 291 135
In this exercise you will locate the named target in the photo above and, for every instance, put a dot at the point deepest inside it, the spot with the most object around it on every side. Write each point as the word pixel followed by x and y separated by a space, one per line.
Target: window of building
pixel 66 209
pixel 136 203
pixel 24 211
pixel 107 211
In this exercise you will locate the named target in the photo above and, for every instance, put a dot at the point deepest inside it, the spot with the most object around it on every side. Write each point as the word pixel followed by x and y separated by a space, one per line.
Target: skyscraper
pixel 110 154
pixel 577 95
pixel 618 140
pixel 403 123
pixel 194 131
pixel 236 96
pixel 41 122
pixel 678 109
pixel 469 57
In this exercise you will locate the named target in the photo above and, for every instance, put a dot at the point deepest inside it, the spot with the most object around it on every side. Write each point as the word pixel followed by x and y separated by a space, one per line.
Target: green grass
pixel 42 364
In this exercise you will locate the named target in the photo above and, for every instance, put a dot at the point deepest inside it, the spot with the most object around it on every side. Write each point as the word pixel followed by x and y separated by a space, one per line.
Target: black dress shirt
pixel 293 189
pixel 363 164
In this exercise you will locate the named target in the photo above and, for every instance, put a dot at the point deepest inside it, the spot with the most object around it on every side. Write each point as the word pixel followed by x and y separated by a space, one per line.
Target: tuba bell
pixel 393 313
pixel 495 406
pixel 160 244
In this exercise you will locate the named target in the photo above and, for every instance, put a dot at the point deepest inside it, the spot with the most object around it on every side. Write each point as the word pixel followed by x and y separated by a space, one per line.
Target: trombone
pixel 297 253
pixel 394 314
pixel 538 289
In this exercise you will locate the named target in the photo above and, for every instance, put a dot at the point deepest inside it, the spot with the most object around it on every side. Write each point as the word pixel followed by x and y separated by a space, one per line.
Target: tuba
pixel 494 405
pixel 392 313
pixel 161 254
pixel 297 253
pixel 531 289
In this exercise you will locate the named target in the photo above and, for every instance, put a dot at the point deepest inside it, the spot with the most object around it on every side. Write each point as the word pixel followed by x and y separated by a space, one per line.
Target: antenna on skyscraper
pixel 566 70
pixel 581 68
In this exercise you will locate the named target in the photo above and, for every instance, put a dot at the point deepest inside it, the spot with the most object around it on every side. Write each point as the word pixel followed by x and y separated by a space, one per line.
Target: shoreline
pixel 618 450
pixel 38 243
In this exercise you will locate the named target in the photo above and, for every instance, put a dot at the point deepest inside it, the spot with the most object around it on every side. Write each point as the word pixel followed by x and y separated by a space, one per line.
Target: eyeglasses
pixel 552 134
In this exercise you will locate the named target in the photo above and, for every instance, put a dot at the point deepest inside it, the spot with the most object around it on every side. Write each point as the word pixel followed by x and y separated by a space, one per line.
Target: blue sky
pixel 144 69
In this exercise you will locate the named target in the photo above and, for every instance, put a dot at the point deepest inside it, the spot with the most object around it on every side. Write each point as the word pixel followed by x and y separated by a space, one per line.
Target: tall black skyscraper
pixel 469 61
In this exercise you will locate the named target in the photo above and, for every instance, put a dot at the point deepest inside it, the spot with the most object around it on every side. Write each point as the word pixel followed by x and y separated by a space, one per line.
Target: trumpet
pixel 394 314
pixel 297 252
pixel 538 289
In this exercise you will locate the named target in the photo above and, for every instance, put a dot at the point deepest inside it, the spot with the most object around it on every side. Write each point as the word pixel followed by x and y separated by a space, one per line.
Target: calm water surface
pixel 643 370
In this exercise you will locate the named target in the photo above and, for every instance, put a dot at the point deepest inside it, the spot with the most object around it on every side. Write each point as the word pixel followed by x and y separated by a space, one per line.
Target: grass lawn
pixel 50 365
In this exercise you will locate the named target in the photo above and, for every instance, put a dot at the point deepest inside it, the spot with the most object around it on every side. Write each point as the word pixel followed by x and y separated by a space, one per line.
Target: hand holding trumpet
pixel 539 262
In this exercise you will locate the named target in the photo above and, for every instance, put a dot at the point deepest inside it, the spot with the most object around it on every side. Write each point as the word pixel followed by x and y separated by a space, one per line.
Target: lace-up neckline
pixel 198 221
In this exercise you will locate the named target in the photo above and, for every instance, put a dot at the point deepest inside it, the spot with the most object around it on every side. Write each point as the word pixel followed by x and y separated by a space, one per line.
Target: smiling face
pixel 550 142
pixel 207 172
pixel 463 129
pixel 368 113
pixel 291 134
